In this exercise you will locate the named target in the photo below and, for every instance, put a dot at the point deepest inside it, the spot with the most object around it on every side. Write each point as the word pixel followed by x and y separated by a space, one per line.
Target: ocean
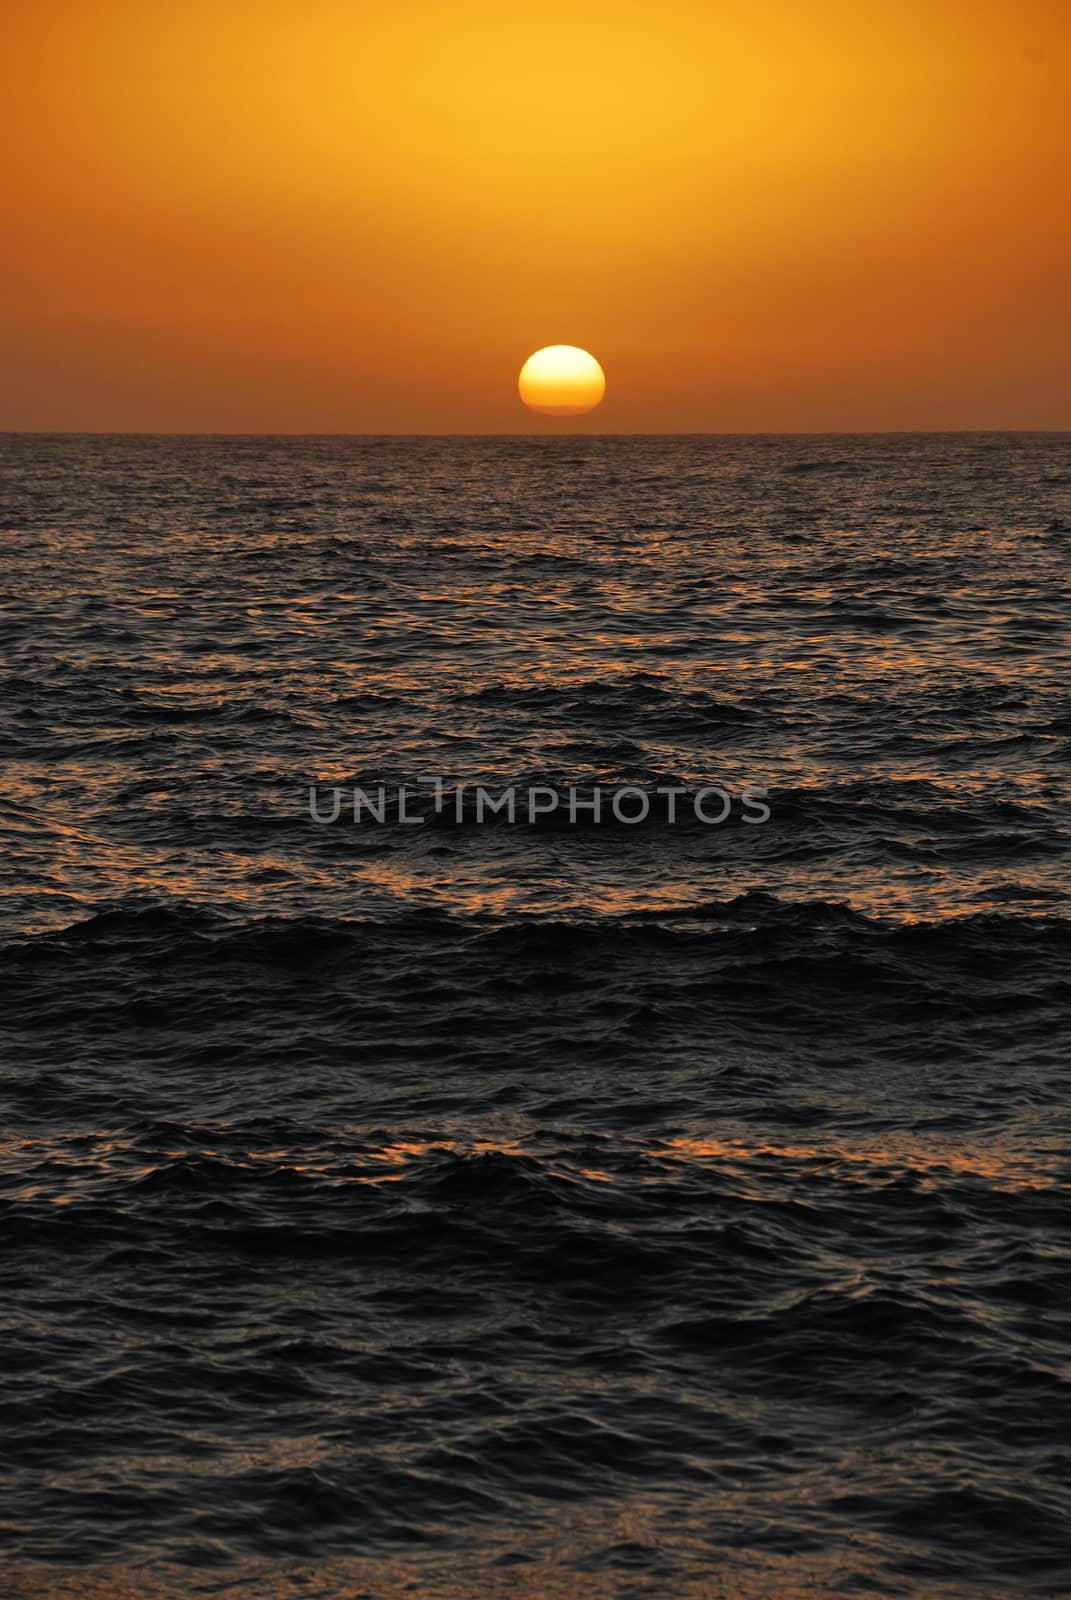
pixel 461 1205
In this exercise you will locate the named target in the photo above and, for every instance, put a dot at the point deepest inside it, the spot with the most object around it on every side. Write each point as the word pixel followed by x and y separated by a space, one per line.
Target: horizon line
pixel 661 433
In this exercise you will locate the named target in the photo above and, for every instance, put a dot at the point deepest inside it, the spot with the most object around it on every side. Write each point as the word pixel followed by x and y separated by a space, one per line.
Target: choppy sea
pixel 557 1209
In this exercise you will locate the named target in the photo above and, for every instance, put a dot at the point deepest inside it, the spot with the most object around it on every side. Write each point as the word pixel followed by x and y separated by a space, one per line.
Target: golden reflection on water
pixel 74 1164
pixel 84 863
pixel 580 1539
pixel 935 1166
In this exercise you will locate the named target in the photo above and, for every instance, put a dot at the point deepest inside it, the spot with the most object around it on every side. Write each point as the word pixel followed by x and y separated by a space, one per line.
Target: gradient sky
pixel 354 218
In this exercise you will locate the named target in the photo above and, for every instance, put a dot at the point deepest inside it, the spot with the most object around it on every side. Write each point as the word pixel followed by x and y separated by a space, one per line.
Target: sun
pixel 561 381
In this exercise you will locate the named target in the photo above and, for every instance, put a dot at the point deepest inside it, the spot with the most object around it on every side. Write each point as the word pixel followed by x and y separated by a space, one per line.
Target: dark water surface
pixel 486 1209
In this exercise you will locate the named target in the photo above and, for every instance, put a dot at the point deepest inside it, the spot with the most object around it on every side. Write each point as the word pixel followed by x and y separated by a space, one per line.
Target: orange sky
pixel 329 216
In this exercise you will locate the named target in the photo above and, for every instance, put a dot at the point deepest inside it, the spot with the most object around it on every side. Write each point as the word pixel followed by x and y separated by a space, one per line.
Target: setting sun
pixel 561 381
